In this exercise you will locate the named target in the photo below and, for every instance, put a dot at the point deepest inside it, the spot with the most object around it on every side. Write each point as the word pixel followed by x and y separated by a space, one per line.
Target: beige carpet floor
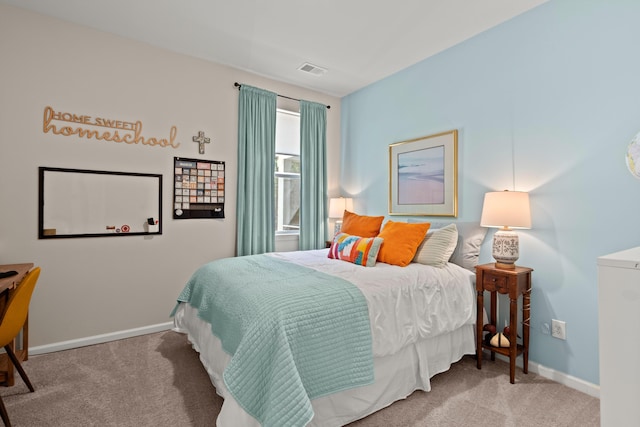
pixel 157 380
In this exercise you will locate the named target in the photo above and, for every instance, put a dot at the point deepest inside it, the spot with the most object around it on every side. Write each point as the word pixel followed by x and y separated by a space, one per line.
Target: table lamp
pixel 337 206
pixel 506 210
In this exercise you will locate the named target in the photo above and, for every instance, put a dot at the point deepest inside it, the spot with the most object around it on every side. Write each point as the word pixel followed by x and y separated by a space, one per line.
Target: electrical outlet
pixel 558 329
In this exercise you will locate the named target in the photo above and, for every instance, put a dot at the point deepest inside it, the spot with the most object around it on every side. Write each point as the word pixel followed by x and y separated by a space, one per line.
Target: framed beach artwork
pixel 423 176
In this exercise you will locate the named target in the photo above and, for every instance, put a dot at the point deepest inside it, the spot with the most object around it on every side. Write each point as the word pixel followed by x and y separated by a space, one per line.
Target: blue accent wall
pixel 546 103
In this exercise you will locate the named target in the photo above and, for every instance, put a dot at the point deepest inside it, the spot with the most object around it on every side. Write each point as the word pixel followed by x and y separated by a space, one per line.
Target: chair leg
pixel 18 366
pixel 4 414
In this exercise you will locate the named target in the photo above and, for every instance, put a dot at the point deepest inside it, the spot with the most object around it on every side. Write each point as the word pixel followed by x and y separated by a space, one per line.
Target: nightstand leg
pixel 513 326
pixel 526 317
pixel 479 326
pixel 494 317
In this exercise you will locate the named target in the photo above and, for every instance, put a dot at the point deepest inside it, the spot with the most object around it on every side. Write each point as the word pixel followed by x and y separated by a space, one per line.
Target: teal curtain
pixel 313 176
pixel 256 167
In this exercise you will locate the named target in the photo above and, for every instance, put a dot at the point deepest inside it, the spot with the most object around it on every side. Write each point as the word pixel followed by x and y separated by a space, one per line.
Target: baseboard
pixel 98 339
pixel 586 387
pixel 565 379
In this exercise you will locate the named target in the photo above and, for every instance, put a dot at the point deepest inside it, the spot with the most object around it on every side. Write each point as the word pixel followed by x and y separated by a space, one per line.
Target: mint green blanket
pixel 294 333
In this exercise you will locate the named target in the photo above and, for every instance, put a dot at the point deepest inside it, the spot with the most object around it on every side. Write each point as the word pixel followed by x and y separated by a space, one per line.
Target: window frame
pixel 285 175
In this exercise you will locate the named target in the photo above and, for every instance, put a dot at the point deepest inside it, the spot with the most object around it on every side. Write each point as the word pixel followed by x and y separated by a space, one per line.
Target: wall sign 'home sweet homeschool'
pixel 86 127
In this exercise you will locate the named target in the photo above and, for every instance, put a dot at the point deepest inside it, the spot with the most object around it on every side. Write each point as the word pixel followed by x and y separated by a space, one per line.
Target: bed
pixel 418 320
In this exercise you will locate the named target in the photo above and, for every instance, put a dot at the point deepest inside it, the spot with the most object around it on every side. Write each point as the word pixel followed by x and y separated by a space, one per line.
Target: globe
pixel 633 156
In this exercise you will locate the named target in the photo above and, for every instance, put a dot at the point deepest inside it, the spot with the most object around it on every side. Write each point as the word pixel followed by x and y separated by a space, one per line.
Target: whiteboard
pixel 89 203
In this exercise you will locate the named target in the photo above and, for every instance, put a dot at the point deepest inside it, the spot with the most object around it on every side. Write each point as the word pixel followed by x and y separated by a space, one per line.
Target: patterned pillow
pixel 437 246
pixel 355 249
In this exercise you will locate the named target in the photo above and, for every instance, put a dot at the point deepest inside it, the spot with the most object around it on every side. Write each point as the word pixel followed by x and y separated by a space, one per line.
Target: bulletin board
pixel 93 203
pixel 199 188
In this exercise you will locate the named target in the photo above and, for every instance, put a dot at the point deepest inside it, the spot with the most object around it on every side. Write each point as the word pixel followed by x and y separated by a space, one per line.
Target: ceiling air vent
pixel 312 69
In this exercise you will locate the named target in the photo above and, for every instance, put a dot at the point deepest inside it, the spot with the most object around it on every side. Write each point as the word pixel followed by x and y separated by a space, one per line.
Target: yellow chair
pixel 12 321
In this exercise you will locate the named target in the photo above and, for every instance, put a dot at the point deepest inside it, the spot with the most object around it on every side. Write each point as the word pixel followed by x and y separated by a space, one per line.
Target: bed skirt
pixel 396 376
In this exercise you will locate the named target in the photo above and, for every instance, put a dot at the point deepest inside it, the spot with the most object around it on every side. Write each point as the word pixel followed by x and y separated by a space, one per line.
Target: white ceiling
pixel 357 41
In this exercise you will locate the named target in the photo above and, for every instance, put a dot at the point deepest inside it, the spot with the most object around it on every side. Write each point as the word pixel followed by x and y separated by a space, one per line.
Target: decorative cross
pixel 201 140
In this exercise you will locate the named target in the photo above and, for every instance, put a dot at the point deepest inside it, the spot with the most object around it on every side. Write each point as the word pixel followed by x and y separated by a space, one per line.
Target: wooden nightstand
pixel 514 282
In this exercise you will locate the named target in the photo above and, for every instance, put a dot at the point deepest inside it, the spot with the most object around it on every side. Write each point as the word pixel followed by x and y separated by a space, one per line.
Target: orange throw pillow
pixel 401 241
pixel 361 225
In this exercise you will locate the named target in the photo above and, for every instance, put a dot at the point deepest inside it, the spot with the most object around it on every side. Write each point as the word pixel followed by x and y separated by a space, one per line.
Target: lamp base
pixel 337 227
pixel 503 266
pixel 506 248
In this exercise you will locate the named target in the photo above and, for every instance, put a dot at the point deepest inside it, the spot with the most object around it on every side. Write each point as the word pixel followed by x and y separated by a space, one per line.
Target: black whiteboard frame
pixel 41 173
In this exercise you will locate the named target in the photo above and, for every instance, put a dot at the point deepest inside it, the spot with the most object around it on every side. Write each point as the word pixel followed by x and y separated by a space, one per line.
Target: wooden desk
pixel 7 285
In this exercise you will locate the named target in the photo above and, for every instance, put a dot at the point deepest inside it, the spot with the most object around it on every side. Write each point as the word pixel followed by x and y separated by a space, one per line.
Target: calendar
pixel 199 188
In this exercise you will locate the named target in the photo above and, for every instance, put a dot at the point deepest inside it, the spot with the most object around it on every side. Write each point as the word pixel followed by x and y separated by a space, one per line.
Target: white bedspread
pixel 405 303
pixel 422 320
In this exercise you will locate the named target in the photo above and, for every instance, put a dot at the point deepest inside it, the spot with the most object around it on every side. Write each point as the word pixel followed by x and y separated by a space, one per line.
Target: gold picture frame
pixel 423 176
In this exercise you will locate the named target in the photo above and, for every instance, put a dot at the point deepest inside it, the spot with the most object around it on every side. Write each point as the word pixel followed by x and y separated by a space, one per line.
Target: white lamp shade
pixel 508 209
pixel 337 206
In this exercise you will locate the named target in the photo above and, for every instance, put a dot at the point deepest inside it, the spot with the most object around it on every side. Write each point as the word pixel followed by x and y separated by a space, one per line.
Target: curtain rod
pixel 238 85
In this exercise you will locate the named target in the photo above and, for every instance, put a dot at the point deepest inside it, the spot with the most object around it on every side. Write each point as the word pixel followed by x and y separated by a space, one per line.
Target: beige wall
pixel 94 286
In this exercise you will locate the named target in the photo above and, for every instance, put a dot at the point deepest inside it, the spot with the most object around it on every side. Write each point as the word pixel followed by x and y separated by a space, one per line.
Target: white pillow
pixel 470 238
pixel 437 246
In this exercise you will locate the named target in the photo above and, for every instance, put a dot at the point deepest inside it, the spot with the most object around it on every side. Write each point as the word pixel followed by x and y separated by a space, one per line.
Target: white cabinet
pixel 619 336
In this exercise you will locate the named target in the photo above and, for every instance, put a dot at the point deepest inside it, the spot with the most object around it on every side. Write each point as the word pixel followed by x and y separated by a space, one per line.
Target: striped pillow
pixel 355 249
pixel 437 247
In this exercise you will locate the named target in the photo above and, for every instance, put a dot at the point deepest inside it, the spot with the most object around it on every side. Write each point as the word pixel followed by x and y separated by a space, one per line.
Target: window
pixel 287 172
